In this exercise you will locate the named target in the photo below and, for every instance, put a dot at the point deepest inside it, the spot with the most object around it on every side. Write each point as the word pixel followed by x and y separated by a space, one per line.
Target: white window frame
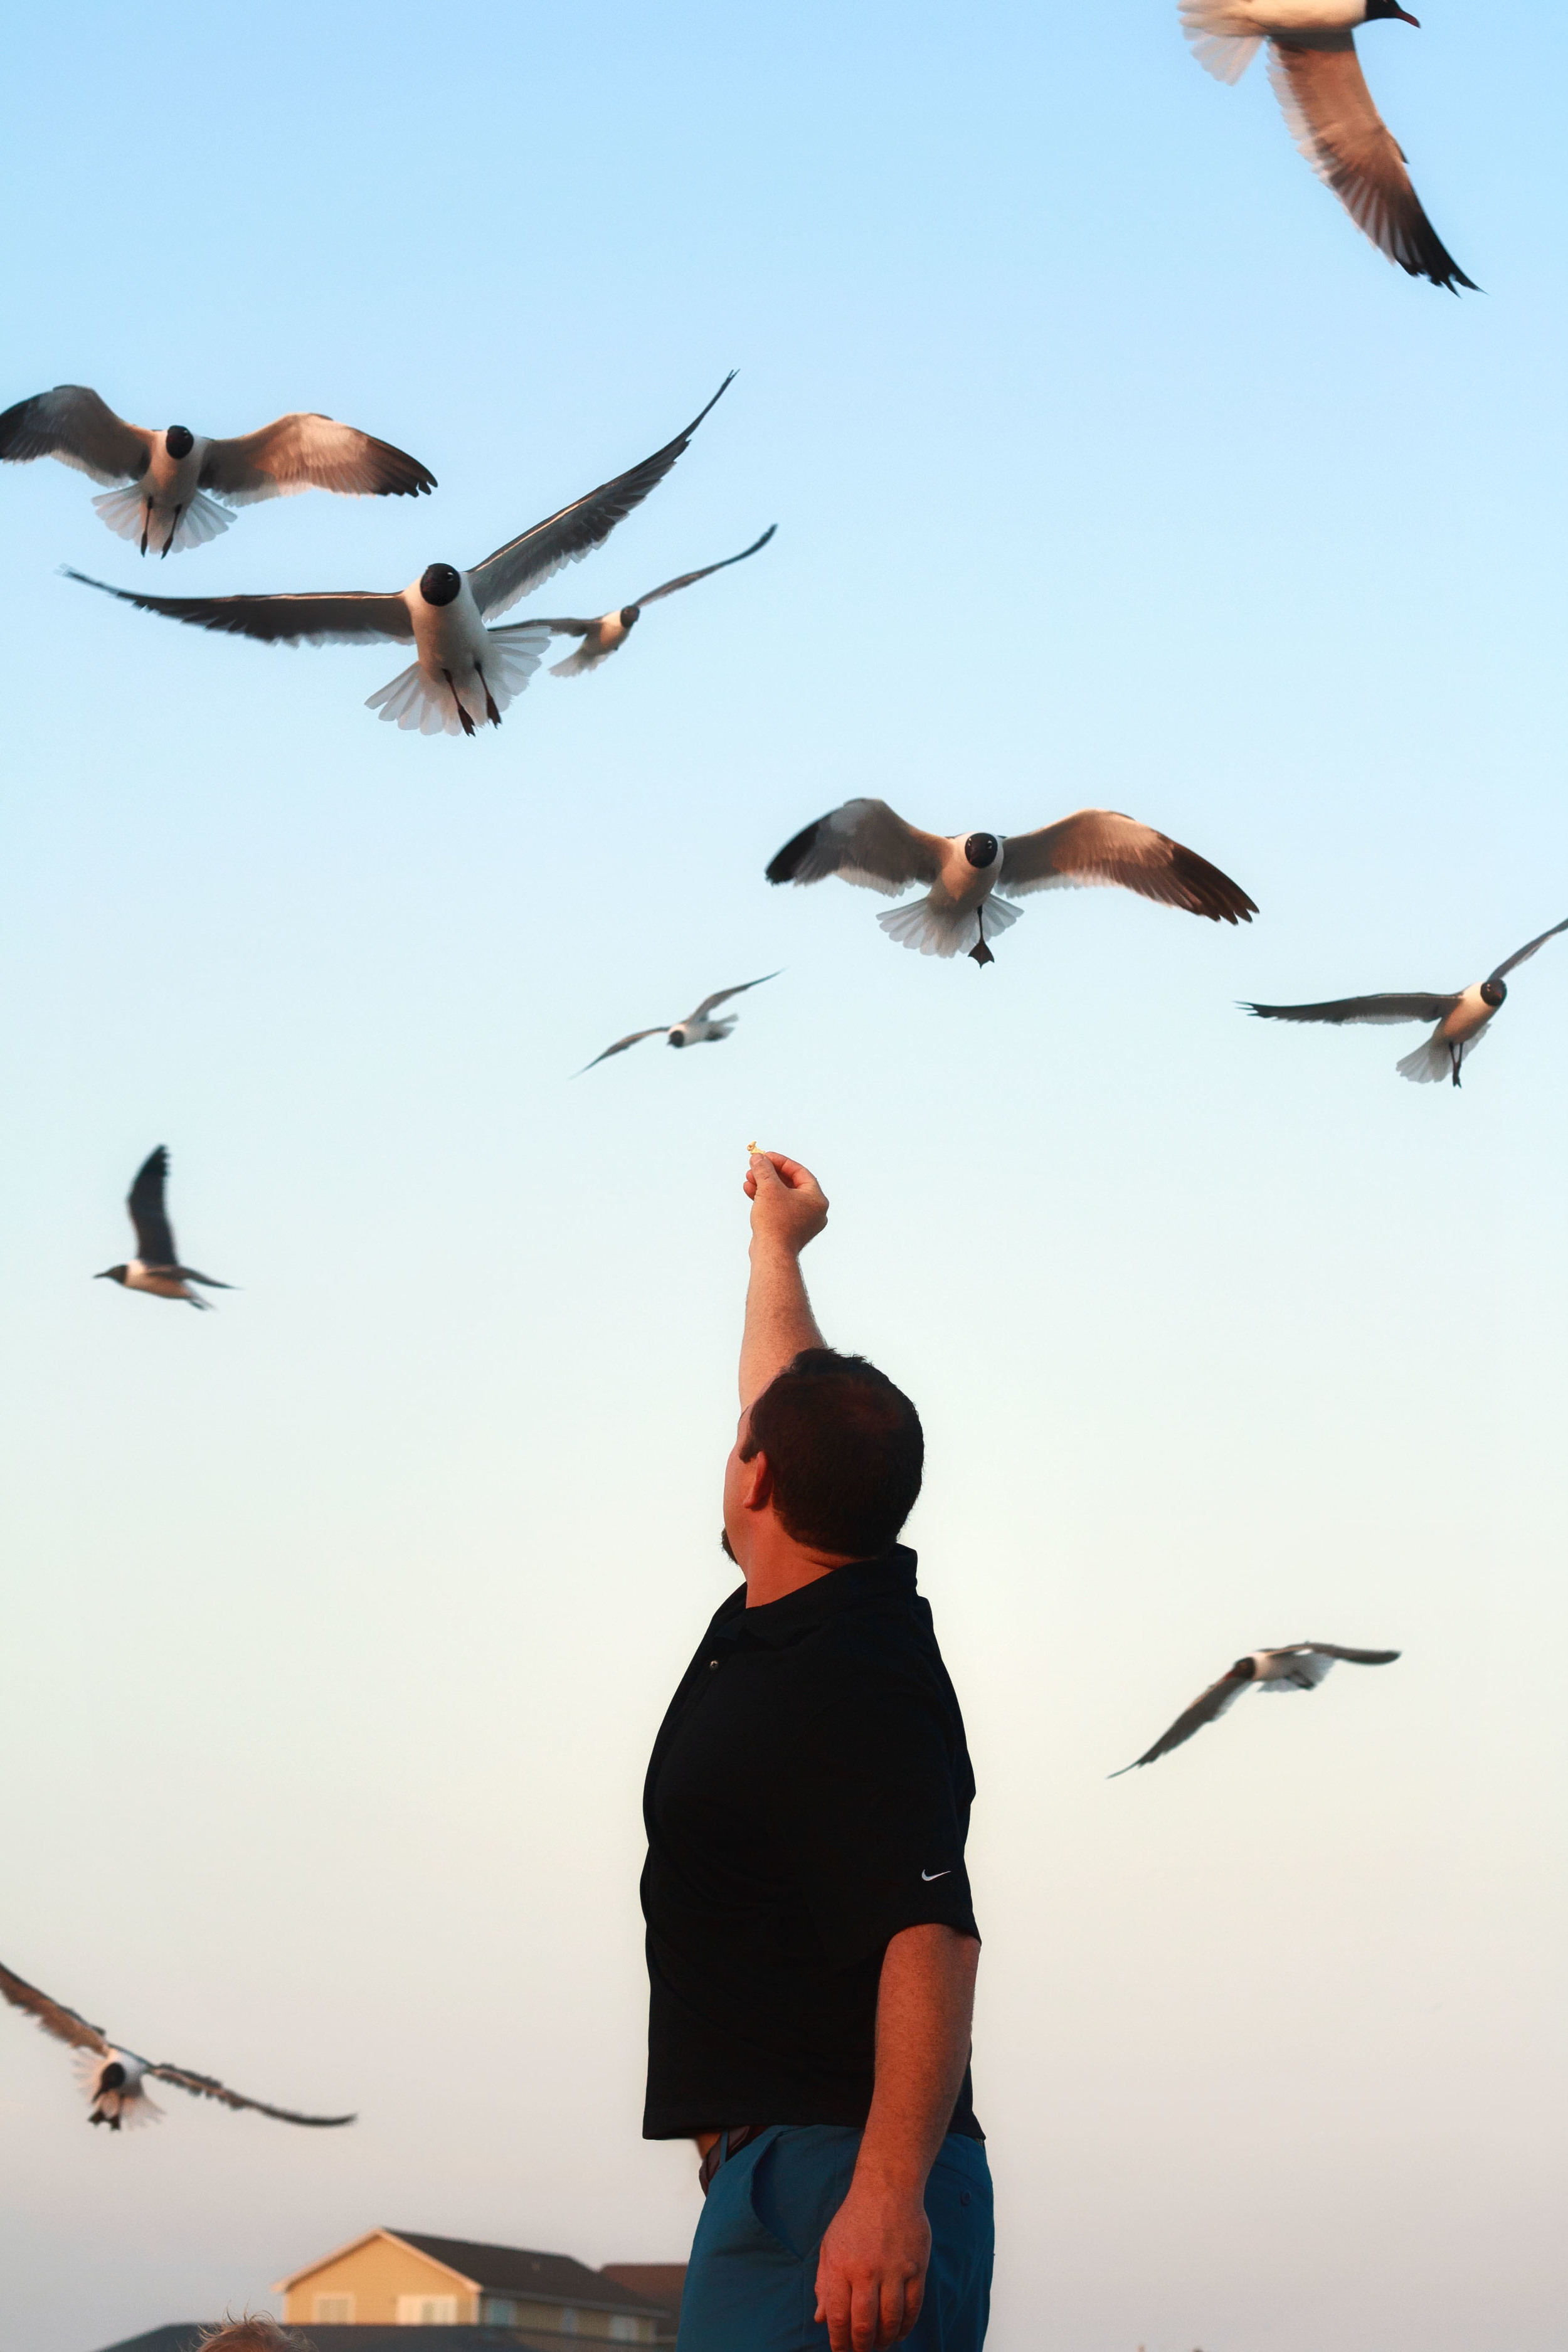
pixel 340 2315
pixel 427 2311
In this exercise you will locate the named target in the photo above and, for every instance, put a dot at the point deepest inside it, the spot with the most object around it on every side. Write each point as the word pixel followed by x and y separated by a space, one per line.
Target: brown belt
pixel 728 2144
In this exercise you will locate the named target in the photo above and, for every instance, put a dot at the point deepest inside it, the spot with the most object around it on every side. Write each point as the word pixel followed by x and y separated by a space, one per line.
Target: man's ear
pixel 758 1492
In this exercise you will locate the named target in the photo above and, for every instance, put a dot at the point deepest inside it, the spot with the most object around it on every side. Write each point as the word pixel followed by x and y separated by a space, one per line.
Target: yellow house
pixel 405 2278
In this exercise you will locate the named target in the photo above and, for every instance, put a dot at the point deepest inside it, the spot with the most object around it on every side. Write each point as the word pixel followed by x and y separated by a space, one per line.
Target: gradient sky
pixel 1109 464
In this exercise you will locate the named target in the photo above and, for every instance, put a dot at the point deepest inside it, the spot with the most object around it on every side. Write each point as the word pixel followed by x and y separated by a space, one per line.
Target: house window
pixel 625 2329
pixel 334 2310
pixel 427 2311
pixel 499 2312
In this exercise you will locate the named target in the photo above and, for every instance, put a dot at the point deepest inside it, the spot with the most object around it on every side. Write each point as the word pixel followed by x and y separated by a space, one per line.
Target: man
pixel 811 1946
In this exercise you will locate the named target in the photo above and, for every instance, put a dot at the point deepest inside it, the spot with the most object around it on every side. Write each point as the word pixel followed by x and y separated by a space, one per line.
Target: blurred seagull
pixel 1462 1017
pixel 698 1028
pixel 1299 1667
pixel 1318 79
pixel 113 2079
pixel 466 672
pixel 156 1264
pixel 869 843
pixel 172 473
pixel 609 633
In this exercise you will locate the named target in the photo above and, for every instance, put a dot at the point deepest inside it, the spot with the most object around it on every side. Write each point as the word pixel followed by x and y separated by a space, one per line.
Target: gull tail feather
pixel 932 931
pixel 578 663
pixel 414 700
pixel 513 656
pixel 1217 46
pixel 1432 1063
pixel 124 511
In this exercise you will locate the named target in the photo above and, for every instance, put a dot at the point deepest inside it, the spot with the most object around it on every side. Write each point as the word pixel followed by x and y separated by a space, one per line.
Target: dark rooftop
pixel 515 2270
pixel 185 2335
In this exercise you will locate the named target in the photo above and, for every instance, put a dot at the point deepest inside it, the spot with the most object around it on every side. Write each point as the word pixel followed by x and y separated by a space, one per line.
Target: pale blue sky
pixel 1109 464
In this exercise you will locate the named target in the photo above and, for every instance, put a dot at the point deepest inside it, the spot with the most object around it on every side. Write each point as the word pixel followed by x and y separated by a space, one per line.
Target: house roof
pixel 499 2270
pixel 662 2282
pixel 516 2269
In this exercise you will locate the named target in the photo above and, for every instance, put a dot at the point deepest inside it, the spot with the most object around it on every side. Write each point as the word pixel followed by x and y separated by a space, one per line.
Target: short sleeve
pixel 869 1816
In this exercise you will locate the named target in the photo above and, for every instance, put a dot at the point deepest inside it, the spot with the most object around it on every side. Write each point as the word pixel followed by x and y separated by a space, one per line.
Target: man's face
pixel 737 1478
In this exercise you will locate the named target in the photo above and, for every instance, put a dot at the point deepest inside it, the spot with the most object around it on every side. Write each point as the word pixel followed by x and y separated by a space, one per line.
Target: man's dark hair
pixel 845 1449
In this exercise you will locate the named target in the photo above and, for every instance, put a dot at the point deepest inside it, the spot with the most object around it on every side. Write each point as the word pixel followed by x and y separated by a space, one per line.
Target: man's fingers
pixel 866 2315
pixel 914 2296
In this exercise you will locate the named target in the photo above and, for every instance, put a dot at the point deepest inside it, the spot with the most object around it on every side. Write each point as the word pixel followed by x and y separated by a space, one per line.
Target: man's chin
pixel 726 1547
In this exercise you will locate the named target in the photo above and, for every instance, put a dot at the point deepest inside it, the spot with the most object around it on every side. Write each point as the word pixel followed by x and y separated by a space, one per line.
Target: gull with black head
pixel 114 2079
pixel 156 1267
pixel 972 877
pixel 1299 1665
pixel 465 673
pixel 1328 107
pixel 182 484
pixel 1463 1015
pixel 699 1028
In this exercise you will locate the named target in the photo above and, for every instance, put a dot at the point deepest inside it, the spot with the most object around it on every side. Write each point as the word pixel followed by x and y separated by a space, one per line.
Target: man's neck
pixel 779 1565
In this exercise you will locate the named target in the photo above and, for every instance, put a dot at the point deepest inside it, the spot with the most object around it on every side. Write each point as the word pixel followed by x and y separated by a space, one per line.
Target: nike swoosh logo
pixel 928 1874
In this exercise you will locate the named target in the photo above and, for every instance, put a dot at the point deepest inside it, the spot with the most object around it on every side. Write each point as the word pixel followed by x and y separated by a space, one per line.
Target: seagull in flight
pixel 1462 1017
pixel 1300 1665
pixel 699 1028
pixel 869 843
pixel 466 672
pixel 182 484
pixel 1318 79
pixel 114 2080
pixel 156 1264
pixel 609 633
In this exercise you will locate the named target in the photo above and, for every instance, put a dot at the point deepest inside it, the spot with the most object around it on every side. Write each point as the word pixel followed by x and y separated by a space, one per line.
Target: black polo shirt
pixel 808 1799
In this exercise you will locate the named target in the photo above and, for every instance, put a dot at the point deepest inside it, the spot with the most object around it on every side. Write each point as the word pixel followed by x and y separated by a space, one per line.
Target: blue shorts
pixel 751 2286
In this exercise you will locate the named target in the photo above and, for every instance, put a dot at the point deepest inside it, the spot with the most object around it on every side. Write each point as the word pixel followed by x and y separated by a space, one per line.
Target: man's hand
pixel 789 1207
pixel 870 2273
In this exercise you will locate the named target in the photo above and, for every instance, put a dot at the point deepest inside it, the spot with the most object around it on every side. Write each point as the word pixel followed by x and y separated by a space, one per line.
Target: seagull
pixel 609 633
pixel 1318 79
pixel 1300 1665
pixel 1462 1017
pixel 172 473
pixel 465 673
pixel 699 1028
pixel 156 1264
pixel 113 2078
pixel 867 842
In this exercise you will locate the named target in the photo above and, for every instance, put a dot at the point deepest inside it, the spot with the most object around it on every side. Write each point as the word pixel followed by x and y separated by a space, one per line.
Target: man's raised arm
pixel 788 1210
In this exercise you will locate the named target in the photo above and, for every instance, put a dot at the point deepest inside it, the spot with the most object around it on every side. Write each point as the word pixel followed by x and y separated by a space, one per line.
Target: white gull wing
pixel 1205 1709
pixel 1302 1666
pixel 723 996
pixel 1329 111
pixel 863 842
pixel 1524 954
pixel 305 452
pixel 52 2015
pixel 73 423
pixel 572 532
pixel 207 2086
pixel 1415 1006
pixel 1102 846
pixel 348 618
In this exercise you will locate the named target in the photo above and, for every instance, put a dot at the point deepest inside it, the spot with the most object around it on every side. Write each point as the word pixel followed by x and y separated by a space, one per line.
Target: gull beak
pixel 1405 18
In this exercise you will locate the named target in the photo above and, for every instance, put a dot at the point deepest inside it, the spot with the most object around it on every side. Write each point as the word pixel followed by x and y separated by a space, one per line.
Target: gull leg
pixel 462 713
pixel 491 713
pixel 146 524
pixel 173 527
pixel 1456 1055
pixel 980 954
